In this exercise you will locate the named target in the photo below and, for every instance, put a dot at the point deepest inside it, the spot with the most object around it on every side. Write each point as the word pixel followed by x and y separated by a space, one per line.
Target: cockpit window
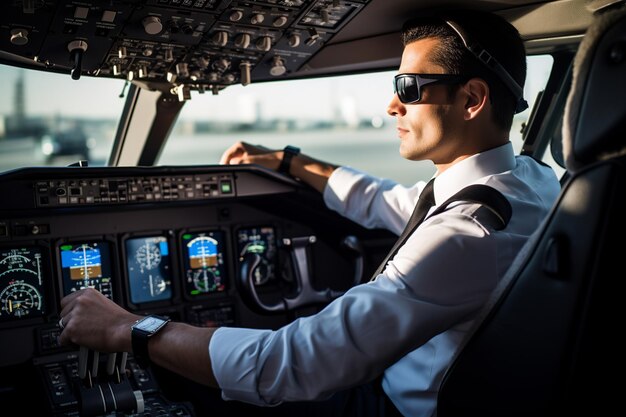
pixel 50 119
pixel 339 119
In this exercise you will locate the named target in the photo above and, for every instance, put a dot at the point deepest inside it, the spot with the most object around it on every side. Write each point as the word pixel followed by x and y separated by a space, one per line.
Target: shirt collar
pixel 469 170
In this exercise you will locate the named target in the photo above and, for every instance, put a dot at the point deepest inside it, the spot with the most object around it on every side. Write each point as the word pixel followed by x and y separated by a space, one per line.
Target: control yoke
pixel 305 295
pixel 102 395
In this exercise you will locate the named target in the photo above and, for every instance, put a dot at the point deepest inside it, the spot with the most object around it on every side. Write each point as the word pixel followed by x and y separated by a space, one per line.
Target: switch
pixel 257 18
pixel 294 40
pixel 235 16
pixel 81 12
pixel 108 16
pixel 264 43
pixel 242 40
pixel 226 187
pixel 279 21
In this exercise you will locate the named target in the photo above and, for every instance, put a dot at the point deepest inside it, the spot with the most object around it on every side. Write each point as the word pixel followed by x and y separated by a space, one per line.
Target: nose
pixel 396 107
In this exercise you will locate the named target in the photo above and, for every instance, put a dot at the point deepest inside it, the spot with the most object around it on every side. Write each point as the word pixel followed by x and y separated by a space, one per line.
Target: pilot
pixel 457 89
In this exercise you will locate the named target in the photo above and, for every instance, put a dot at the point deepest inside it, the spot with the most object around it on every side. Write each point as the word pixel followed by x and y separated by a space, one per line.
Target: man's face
pixel 430 128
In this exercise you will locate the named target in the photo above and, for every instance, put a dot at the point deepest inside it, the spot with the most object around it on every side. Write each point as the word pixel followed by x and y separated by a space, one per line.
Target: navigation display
pixel 21 284
pixel 148 267
pixel 86 265
pixel 261 241
pixel 203 258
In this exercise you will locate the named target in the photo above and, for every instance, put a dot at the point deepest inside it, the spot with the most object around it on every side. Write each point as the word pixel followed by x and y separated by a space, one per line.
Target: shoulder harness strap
pixel 484 195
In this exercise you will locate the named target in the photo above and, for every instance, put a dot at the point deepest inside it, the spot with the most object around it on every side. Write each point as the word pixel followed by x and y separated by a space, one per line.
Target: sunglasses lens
pixel 407 88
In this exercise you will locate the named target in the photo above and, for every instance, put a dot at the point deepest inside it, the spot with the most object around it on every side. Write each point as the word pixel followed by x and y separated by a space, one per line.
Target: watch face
pixel 150 324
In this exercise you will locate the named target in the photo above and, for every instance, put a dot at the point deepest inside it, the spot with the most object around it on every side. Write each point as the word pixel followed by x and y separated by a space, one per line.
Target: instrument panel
pixel 204 45
pixel 184 258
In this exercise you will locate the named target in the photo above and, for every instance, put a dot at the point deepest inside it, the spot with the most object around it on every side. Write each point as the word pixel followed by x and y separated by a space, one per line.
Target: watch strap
pixel 288 153
pixel 141 337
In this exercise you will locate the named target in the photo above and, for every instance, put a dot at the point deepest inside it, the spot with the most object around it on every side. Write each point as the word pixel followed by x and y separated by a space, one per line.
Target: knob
pixel 152 25
pixel 117 69
pixel 278 66
pixel 221 64
pixel 220 38
pixel 244 67
pixel 213 76
pixel 279 21
pixel 77 49
pixel 202 62
pixel 264 43
pixel 242 40
pixel 235 16
pixel 19 37
pixel 294 40
pixel 130 75
pixel 229 78
pixel 148 51
pixel 257 18
pixel 122 52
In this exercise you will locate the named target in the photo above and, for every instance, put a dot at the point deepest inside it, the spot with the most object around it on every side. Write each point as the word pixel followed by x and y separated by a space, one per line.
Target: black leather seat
pixel 548 343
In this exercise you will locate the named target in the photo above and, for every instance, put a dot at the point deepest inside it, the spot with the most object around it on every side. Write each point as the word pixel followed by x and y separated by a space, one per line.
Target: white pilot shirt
pixel 409 321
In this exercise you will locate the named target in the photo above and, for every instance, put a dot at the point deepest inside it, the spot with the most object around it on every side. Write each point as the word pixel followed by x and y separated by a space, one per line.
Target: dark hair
pixel 494 34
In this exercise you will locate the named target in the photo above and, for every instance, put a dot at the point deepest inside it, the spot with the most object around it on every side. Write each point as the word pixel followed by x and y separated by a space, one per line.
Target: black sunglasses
pixel 408 87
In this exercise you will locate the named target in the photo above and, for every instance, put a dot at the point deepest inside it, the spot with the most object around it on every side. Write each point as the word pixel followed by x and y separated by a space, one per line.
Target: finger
pixel 68 299
pixel 229 153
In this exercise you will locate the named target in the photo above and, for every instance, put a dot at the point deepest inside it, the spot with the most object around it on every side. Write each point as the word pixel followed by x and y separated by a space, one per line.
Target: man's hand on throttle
pixel 94 321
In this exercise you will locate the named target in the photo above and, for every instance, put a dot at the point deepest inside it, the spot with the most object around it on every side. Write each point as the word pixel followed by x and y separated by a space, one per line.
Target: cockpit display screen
pixel 203 258
pixel 21 284
pixel 86 265
pixel 260 241
pixel 148 267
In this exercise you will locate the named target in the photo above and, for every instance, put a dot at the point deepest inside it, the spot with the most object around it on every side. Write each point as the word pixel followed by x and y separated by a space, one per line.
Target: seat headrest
pixel 594 124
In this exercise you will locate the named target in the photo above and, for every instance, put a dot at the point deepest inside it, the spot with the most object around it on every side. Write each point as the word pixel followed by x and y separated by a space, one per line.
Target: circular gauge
pixel 148 256
pixel 20 299
pixel 204 280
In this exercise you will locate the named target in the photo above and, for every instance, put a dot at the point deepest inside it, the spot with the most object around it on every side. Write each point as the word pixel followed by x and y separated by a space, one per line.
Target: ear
pixel 476 96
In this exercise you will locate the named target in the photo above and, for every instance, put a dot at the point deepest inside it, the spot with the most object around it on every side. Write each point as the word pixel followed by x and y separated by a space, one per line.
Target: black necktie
pixel 425 201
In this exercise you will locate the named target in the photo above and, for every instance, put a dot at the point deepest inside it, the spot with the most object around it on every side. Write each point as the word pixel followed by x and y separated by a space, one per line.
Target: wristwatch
pixel 288 153
pixel 141 332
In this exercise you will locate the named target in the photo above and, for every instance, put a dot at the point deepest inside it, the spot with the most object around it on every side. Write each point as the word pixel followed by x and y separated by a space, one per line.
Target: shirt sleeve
pixel 357 336
pixel 370 201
